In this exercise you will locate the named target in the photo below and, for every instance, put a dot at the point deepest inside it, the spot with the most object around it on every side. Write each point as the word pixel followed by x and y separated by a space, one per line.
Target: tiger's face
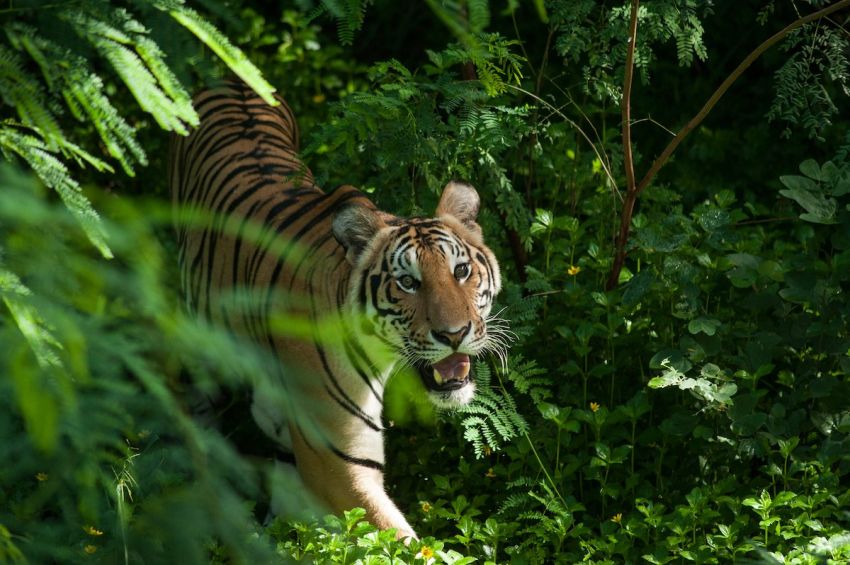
pixel 425 287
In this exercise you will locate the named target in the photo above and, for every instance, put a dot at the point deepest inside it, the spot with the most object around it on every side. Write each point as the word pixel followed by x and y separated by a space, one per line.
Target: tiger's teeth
pixel 438 378
pixel 464 371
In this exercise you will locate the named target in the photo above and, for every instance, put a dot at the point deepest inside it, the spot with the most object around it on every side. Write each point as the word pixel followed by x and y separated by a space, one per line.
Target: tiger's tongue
pixel 455 367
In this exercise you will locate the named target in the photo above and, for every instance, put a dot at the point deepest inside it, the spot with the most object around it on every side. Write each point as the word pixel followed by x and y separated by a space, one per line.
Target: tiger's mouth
pixel 451 373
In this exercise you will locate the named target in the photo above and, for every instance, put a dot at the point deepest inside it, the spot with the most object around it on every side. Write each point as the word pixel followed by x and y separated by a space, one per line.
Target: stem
pixel 558 451
pixel 661 160
pixel 628 161
pixel 543 468
pixel 634 427
pixel 627 95
pixel 785 473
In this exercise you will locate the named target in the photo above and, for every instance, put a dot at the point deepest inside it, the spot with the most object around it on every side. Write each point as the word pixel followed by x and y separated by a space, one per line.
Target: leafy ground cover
pixel 690 406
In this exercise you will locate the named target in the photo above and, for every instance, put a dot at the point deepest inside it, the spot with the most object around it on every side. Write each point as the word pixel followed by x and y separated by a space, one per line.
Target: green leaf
pixel 637 288
pixel 232 56
pixel 548 411
pixel 744 273
pixel 818 208
pixel 41 340
pixel 55 175
pixel 708 326
pixel 39 407
pixel 798 183
pixel 772 270
pixel 540 6
pixel 810 168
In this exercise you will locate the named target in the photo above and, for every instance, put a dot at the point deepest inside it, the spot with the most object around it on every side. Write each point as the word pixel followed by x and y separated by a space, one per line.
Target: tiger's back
pixel 239 189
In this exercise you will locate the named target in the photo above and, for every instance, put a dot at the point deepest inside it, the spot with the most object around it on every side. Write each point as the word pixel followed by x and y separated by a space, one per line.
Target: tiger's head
pixel 425 288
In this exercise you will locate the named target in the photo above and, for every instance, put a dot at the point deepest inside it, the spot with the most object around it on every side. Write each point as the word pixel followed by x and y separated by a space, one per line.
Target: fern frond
pixel 478 12
pixel 55 175
pixel 16 296
pixel 70 76
pixel 530 379
pixel 232 56
pixel 154 60
pixel 116 40
pixel 491 419
pixel 349 15
pixel 802 97
pixel 20 90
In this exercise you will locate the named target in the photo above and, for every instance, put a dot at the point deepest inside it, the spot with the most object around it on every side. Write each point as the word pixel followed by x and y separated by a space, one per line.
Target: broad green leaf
pixel 818 208
pixel 796 182
pixel 745 269
pixel 705 325
pixel 810 168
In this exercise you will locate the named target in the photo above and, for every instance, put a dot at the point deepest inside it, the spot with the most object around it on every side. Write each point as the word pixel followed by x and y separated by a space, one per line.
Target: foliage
pixel 699 412
pixel 66 81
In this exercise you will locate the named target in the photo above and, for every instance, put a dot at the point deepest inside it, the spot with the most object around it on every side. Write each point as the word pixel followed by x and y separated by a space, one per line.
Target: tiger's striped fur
pixel 415 290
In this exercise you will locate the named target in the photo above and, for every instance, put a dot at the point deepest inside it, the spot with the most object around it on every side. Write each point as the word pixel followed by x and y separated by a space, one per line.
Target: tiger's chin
pixel 448 400
pixel 449 381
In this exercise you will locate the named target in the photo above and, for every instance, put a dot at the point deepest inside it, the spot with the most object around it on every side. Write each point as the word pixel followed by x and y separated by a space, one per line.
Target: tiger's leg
pixel 343 483
pixel 289 496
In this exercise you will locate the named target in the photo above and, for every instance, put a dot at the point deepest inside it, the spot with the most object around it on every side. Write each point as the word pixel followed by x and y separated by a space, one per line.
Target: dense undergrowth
pixel 698 412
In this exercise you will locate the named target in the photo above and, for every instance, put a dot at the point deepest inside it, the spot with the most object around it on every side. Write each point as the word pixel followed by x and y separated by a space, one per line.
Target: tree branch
pixel 628 161
pixel 662 159
pixel 627 96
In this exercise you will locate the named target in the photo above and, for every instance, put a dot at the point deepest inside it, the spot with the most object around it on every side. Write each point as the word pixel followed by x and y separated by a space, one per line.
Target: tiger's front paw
pixel 406 536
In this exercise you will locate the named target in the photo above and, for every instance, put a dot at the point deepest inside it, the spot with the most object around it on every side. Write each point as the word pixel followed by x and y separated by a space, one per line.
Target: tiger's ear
pixel 355 227
pixel 461 201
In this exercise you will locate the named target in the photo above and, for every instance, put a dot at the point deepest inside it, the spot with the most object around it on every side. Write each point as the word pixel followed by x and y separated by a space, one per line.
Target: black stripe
pixel 351 354
pixel 356 460
pixel 345 401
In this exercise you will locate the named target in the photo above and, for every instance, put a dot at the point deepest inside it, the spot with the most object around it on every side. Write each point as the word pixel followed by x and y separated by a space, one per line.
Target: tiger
pixel 415 292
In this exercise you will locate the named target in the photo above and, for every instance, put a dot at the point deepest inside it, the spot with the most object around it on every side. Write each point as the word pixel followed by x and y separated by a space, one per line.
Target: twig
pixel 563 116
pixel 626 104
pixel 662 159
pixel 655 123
pixel 628 162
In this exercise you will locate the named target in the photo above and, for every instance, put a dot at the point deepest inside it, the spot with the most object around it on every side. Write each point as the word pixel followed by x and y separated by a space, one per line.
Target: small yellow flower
pixel 90 549
pixel 41 477
pixel 426 507
pixel 573 270
pixel 487 450
pixel 594 406
pixel 318 98
pixel 427 552
pixel 490 474
pixel 92 531
pixel 617 518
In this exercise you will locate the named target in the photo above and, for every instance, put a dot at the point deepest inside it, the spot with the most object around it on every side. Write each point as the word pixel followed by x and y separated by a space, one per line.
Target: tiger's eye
pixel 462 271
pixel 407 282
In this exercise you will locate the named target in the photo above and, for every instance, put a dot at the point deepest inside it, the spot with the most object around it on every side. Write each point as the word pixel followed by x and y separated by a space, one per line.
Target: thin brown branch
pixel 655 123
pixel 721 90
pixel 628 161
pixel 627 99
pixel 662 159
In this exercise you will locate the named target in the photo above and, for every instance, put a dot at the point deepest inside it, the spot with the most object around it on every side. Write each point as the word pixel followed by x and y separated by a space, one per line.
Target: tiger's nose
pixel 452 339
